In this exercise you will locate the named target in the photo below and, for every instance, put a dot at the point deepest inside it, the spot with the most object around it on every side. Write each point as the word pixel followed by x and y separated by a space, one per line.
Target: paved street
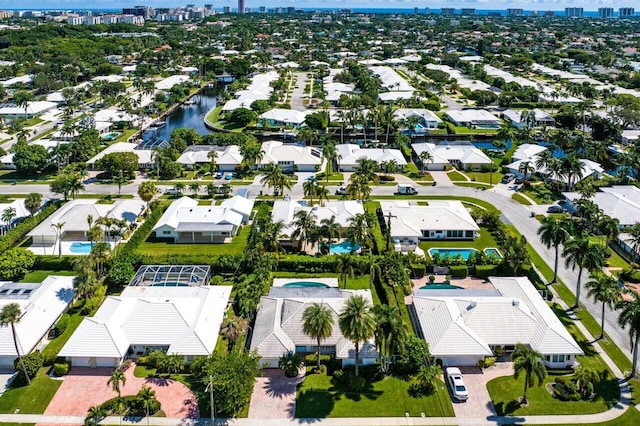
pixel 297 97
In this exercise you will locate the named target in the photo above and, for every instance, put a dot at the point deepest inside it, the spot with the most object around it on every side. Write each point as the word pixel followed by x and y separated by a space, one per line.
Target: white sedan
pixel 456 383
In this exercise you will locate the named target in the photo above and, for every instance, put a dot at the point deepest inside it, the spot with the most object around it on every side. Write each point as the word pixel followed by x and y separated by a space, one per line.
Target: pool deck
pixel 466 283
pixel 40 250
pixel 330 282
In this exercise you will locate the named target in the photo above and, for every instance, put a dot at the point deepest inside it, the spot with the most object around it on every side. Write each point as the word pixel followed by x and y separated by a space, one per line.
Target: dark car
pixel 555 209
pixel 219 175
pixel 288 171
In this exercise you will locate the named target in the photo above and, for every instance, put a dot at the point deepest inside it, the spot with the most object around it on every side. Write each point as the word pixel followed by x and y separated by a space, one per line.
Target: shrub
pixel 290 364
pixel 459 271
pixel 489 361
pixel 14 263
pixel 32 362
pixel 630 275
pixel 350 381
pixel 62 324
pixel 485 271
pixel 16 234
pixel 125 365
pixel 321 370
pixel 54 263
pixel 498 351
pixel 60 369
pixel 565 389
pixel 386 178
pixel 418 271
pixel 432 279
pixel 134 406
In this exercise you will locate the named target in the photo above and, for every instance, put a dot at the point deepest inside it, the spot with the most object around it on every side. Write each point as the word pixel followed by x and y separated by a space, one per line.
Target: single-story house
pixel 462 155
pixel 187 222
pixel 342 211
pixel 6 161
pixel 20 213
pixel 259 89
pixel 145 156
pixel 473 118
pixel 283 117
pixel 541 118
pixel 427 117
pixel 179 320
pixel 291 156
pixel 527 152
pixel 41 305
pixel 349 154
pixel 278 327
pixel 227 159
pixel 440 220
pixel 169 82
pixel 626 243
pixel 112 115
pixel 620 202
pixel 74 215
pixel 24 79
pixel 589 168
pixel 33 109
pixel 464 326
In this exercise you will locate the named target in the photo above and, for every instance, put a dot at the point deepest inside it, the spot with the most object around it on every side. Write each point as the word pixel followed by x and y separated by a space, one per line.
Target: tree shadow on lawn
pixel 315 403
pixel 368 392
pixel 509 408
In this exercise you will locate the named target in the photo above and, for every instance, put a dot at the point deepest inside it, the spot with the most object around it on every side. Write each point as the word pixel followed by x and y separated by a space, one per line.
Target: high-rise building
pixel 574 12
pixel 447 11
pixel 626 12
pixel 515 12
pixel 549 13
pixel 467 11
pixel 208 6
pixel 241 6
pixel 416 10
pixel 262 9
pixel 226 9
pixel 605 12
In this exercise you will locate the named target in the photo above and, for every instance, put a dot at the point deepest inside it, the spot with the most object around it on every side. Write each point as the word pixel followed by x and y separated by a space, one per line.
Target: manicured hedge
pixel 485 271
pixel 459 271
pixel 54 263
pixel 18 233
pixel 141 235
pixel 418 271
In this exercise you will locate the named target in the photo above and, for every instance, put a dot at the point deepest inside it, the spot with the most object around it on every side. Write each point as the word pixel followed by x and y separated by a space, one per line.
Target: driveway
pixel 274 396
pixel 85 387
pixel 479 404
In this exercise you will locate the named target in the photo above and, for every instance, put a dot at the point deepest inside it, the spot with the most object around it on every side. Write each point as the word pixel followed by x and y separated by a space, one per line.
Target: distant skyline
pixel 556 5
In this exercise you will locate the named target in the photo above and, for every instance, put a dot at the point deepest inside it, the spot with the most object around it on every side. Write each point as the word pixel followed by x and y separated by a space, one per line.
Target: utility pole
pixel 389 216
pixel 213 410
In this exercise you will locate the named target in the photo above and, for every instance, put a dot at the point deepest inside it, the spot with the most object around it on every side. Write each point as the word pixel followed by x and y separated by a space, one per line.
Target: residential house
pixel 541 118
pixel 228 158
pixel 145 156
pixel 462 155
pixel 33 109
pixel 20 213
pixel 473 118
pixel 349 154
pixel 620 202
pixel 291 156
pixel 426 118
pixel 464 326
pixel 279 117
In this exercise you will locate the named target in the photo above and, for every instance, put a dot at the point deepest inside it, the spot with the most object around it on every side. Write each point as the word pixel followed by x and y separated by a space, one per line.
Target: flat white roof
pixel 341 210
pixel 144 155
pixel 33 108
pixel 169 82
pixel 621 202
pixel 349 154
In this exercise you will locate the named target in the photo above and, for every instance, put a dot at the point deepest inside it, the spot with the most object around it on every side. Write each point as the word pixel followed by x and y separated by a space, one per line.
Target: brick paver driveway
pixel 274 396
pixel 479 404
pixel 85 387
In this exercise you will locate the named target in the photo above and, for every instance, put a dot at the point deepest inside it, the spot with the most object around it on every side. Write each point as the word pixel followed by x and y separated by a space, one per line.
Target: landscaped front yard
pixel 32 399
pixel 322 396
pixel 161 248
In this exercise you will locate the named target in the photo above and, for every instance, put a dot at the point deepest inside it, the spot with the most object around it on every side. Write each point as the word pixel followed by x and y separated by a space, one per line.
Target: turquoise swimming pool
pixel 464 252
pixel 440 287
pixel 344 247
pixel 111 136
pixel 80 248
pixel 303 284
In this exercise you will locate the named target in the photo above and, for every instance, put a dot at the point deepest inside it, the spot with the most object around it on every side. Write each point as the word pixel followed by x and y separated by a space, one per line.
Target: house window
pixel 558 358
pixel 166 232
pixel 455 234
pixel 469 234
pixel 547 358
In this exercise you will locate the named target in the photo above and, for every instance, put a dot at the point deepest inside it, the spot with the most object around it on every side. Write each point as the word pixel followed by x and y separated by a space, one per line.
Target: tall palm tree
pixel 330 228
pixel 425 157
pixel 357 323
pixel 147 396
pixel 147 190
pixel 608 227
pixel 606 289
pixel 344 268
pixel 630 316
pixel 233 329
pixel 573 169
pixel 506 132
pixel 304 224
pixel 359 231
pixel 391 333
pixel 22 98
pixel 212 156
pixel 276 179
pixel 194 187
pixel 309 188
pixel 10 315
pixel 8 215
pixel 578 252
pixel 329 153
pixel 251 153
pixel 57 227
pixel 33 202
pixel 527 169
pixel 531 363
pixel 553 233
pixel 116 380
pixel 318 324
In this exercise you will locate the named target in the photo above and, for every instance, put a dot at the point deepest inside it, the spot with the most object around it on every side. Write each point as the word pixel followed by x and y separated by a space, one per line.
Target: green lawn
pixel 39 276
pixel 214 115
pixel 55 345
pixel 505 391
pixel 32 399
pixel 332 176
pixel 519 198
pixel 485 177
pixel 321 396
pixel 476 185
pixel 541 194
pixel 465 200
pixel 126 134
pixel 486 240
pixel 236 246
pixel 456 176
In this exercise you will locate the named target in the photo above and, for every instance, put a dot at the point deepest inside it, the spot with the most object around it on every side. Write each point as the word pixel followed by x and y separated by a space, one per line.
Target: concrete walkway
pixel 441 178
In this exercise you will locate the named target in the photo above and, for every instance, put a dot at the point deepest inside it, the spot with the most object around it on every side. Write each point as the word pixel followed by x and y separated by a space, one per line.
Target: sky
pixel 590 5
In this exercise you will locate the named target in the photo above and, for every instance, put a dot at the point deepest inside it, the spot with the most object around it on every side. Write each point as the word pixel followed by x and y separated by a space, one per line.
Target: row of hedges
pixel 18 233
pixel 141 235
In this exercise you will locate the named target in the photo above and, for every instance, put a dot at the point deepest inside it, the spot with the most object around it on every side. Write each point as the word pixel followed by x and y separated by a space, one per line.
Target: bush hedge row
pixel 18 233
pixel 459 271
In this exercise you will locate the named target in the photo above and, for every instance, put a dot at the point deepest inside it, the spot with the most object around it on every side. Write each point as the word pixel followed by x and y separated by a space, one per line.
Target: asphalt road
pixel 515 213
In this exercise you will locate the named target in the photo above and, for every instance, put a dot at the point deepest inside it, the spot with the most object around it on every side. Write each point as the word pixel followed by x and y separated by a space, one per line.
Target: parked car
pixel 518 181
pixel 288 171
pixel 228 176
pixel 219 175
pixel 341 191
pixel 508 178
pixel 555 209
pixel 456 383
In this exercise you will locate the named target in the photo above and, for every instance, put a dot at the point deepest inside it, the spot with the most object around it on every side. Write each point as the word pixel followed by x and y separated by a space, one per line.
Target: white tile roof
pixel 473 116
pixel 18 205
pixel 621 202
pixel 276 151
pixel 443 153
pixel 198 154
pixel 288 116
pixel 527 151
pixel 40 309
pixel 278 326
pixel 238 204
pixel 144 155
pixel 169 82
pixel 186 213
pixel 342 210
pixel 186 319
pixel 425 114
pixel 33 108
pixel 467 323
pixel 348 155
pixel 410 220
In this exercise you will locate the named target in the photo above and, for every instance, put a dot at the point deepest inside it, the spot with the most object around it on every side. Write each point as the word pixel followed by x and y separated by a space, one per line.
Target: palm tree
pixel 33 202
pixel 527 170
pixel 8 215
pixel 578 252
pixel 116 379
pixel 57 227
pixel 10 315
pixel 391 333
pixel 179 187
pixel 359 231
pixel 147 396
pixel 330 228
pixel 344 268
pixel 276 179
pixel 573 168
pixel 309 188
pixel 94 414
pixel 304 224
pixel 317 324
pixel 233 329
pixel 606 289
pixel 147 190
pixel 22 98
pixel 608 227
pixel 251 153
pixel 531 363
pixel 366 169
pixel 506 132
pixel 357 323
pixel 425 157
pixel 329 153
pixel 427 376
pixel 212 156
pixel 630 316
pixel 194 187
pixel 553 233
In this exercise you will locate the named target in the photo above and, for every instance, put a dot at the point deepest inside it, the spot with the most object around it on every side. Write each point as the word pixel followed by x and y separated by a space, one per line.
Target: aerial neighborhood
pixel 244 213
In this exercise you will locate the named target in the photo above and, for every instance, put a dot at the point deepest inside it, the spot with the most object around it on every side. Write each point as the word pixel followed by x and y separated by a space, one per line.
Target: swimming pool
pixel 440 287
pixel 344 247
pixel 465 253
pixel 111 136
pixel 80 248
pixel 302 284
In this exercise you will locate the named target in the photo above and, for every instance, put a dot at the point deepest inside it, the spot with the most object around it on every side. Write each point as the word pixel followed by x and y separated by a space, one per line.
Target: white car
pixel 456 383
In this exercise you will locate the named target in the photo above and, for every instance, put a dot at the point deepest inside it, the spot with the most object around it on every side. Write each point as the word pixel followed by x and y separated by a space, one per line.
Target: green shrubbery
pixel 485 271
pixel 32 362
pixel 61 369
pixel 54 263
pixel 62 324
pixel 459 271
pixel 15 235
pixel 16 262
pixel 418 270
